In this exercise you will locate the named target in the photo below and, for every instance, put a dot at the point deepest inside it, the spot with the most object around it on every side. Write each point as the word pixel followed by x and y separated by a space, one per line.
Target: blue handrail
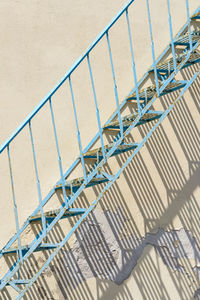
pixel 65 77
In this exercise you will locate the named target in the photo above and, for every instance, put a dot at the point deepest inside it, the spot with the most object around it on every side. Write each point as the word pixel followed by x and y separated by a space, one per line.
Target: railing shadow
pixel 109 243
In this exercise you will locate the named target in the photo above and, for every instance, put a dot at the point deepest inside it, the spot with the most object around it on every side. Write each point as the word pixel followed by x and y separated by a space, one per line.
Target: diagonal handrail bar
pixel 65 77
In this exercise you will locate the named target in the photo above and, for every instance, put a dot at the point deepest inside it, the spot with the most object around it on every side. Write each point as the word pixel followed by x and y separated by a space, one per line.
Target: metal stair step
pixel 168 65
pixel 184 40
pixel 25 249
pixel 196 16
pixel 73 185
pixel 148 93
pixel 15 282
pixel 50 215
pixel 97 153
pixel 128 120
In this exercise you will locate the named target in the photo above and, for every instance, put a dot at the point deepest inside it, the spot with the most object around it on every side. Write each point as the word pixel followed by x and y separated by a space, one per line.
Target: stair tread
pixel 184 39
pixel 107 148
pixel 41 247
pixel 127 120
pixel 54 213
pixel 151 91
pixel 196 15
pixel 75 183
pixel 169 63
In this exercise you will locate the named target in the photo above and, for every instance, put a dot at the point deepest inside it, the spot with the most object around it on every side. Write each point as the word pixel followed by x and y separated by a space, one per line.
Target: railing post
pixel 58 153
pixel 153 50
pixel 38 182
pixel 97 109
pixel 78 132
pixel 172 36
pixel 115 86
pixel 133 63
pixel 20 257
pixel 188 21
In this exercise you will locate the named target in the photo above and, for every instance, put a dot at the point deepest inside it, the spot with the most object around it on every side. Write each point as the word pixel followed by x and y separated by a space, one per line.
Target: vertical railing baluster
pixel 189 23
pixel 58 153
pixel 133 63
pixel 78 132
pixel 115 86
pixel 38 181
pixel 20 256
pixel 97 109
pixel 153 50
pixel 146 99
pixel 172 36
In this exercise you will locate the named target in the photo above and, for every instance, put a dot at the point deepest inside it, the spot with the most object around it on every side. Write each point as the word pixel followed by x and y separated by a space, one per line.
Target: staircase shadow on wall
pixel 182 203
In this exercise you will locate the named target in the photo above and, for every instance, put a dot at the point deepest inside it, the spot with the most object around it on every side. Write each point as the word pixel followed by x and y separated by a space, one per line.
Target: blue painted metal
pixel 97 109
pixel 184 60
pixel 124 147
pixel 145 98
pixel 74 185
pixel 50 215
pixel 78 131
pixel 127 120
pixel 115 85
pixel 188 21
pixel 38 181
pixel 172 36
pixel 58 153
pixel 19 281
pixel 153 49
pixel 41 247
pixel 184 40
pixel 133 64
pixel 196 16
pixel 148 93
pixel 20 256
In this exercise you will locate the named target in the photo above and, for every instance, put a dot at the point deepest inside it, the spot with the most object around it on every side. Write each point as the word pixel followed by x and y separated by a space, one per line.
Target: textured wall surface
pixel 143 239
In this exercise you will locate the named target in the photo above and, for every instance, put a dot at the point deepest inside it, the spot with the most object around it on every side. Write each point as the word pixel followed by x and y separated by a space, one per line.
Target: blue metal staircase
pixel 164 74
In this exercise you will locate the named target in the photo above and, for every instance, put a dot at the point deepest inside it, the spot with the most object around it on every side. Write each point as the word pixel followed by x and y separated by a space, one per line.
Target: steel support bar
pixel 189 23
pixel 20 256
pixel 97 109
pixel 115 85
pixel 153 50
pixel 59 156
pixel 19 281
pixel 41 247
pixel 133 63
pixel 78 131
pixel 172 36
pixel 38 181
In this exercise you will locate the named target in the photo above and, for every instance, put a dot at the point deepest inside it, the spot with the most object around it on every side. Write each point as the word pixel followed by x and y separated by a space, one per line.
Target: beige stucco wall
pixel 159 190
